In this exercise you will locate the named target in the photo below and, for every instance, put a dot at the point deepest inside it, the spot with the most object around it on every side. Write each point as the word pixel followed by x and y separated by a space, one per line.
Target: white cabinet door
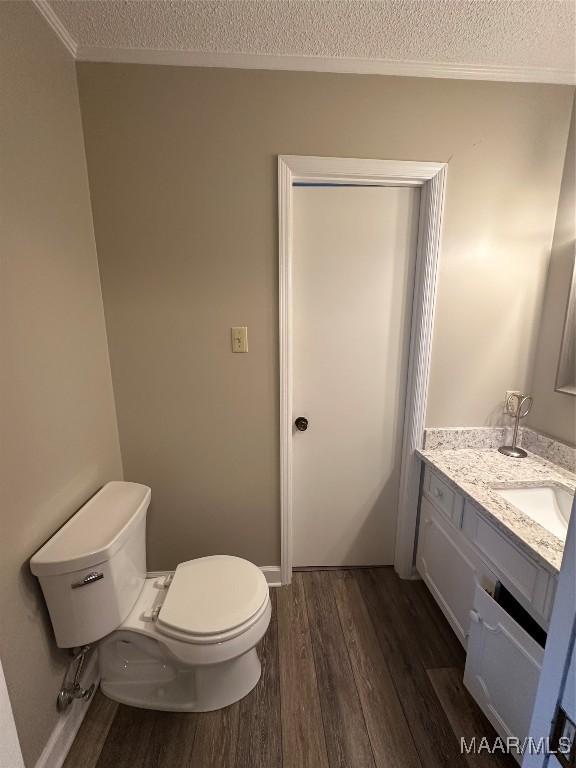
pixel 502 667
pixel 450 568
pixel 530 583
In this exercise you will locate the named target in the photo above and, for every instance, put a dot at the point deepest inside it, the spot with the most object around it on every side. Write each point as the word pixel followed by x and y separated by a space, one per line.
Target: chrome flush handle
pixel 88 579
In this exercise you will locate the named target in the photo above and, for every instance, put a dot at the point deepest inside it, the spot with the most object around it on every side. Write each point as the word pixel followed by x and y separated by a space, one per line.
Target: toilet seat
pixel 213 599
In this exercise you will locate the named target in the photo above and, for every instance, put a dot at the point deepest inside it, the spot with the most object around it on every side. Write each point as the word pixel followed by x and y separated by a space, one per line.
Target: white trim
pixel 422 327
pixel 44 7
pixel 10 752
pixel 337 64
pixel 559 647
pixel 271 572
pixel 63 735
pixel 431 177
pixel 286 62
pixel 285 337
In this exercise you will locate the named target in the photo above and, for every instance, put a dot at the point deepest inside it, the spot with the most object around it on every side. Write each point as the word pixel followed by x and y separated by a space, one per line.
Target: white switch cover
pixel 239 338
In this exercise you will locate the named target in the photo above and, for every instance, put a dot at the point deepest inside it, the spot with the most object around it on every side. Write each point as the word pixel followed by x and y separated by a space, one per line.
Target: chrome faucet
pixel 517 405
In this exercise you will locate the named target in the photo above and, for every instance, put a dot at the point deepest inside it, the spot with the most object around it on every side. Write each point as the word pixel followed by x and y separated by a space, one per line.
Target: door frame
pixel 560 646
pixel 431 179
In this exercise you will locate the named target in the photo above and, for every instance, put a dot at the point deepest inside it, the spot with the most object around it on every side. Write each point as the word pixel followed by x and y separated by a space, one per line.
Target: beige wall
pixel 59 438
pixel 555 412
pixel 182 166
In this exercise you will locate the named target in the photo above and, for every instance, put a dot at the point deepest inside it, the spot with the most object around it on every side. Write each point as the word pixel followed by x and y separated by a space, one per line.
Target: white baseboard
pixel 272 573
pixel 10 752
pixel 413 575
pixel 60 741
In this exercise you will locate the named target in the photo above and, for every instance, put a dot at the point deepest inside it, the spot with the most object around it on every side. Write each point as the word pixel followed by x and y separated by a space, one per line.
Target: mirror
pixel 566 376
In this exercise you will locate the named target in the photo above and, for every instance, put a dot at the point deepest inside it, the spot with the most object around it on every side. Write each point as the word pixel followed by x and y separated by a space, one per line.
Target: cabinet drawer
pixel 450 567
pixel 530 583
pixel 443 497
pixel 502 667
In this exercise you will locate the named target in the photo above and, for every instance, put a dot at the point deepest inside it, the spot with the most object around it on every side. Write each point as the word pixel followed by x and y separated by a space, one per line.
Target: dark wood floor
pixel 359 670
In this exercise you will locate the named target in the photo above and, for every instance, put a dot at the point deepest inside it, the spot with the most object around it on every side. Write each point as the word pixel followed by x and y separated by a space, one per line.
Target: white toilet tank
pixel 93 569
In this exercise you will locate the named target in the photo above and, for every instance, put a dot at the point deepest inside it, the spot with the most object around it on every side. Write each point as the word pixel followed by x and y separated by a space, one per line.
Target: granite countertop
pixel 476 472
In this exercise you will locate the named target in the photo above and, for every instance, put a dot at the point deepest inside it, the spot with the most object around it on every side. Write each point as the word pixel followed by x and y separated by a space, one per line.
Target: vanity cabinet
pixel 533 586
pixel 462 557
pixel 502 667
pixel 443 497
pixel 458 547
pixel 450 567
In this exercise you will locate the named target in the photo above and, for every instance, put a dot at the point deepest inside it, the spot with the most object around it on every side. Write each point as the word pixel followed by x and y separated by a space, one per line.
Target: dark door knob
pixel 301 424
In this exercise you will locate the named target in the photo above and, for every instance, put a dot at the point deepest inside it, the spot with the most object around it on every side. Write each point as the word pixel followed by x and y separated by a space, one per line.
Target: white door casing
pixel 559 655
pixel 354 251
pixel 431 178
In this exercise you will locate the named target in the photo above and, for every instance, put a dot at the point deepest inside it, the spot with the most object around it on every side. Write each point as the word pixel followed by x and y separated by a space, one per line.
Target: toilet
pixel 182 642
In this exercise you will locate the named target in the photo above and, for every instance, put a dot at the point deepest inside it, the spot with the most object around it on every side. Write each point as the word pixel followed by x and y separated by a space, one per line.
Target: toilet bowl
pixel 205 658
pixel 182 642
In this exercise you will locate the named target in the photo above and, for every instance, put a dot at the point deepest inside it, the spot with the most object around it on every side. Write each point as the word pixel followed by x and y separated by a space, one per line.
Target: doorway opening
pixel 427 181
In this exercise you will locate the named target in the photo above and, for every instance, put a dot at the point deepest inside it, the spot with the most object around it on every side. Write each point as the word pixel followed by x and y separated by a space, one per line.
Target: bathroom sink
pixel 547 505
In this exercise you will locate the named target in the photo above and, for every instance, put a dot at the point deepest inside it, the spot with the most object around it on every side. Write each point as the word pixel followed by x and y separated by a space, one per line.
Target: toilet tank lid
pixel 95 532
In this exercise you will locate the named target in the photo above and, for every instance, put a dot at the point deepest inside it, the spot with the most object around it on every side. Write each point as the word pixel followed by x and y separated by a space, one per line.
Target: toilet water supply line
pixel 70 691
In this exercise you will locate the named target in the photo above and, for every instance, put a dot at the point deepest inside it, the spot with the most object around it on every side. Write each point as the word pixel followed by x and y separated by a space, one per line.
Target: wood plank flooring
pixel 359 670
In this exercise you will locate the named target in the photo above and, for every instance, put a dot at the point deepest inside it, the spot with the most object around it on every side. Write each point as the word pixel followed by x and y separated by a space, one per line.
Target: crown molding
pixel 44 7
pixel 335 64
pixel 326 64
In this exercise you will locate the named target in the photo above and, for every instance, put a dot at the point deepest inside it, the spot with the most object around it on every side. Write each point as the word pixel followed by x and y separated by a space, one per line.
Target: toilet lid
pixel 211 595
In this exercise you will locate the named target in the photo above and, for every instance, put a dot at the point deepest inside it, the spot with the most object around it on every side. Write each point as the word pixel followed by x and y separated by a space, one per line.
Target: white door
pixel 354 250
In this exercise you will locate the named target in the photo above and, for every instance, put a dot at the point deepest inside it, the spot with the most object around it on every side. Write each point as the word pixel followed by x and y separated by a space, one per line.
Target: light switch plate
pixel 239 338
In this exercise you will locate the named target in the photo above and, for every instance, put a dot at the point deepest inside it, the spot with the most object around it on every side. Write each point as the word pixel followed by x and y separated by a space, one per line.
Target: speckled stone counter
pixel 548 448
pixel 475 472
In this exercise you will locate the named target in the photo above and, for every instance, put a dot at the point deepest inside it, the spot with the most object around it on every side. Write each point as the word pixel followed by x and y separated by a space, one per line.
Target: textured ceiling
pixel 518 33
